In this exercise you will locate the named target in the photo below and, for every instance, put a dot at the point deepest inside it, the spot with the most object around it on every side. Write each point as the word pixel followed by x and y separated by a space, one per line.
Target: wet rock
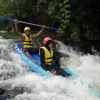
pixel 2 91
pixel 2 94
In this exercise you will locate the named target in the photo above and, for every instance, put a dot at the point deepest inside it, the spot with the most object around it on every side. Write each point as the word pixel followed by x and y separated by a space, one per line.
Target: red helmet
pixel 46 39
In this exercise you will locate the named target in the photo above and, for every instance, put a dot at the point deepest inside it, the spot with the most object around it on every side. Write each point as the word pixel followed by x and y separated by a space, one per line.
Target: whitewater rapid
pixel 21 84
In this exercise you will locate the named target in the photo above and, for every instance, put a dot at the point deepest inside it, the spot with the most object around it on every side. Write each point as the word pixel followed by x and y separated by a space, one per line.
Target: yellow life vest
pixel 48 55
pixel 27 43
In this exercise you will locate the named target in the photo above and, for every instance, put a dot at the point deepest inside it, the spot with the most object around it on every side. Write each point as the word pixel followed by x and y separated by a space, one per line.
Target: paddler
pixel 47 57
pixel 28 39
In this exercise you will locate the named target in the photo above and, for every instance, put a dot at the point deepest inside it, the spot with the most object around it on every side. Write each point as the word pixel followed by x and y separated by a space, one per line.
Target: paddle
pixel 28 23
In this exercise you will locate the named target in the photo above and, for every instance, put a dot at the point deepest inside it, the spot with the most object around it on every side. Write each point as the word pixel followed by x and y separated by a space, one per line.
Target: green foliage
pixel 60 12
pixel 4 5
pixel 9 35
pixel 56 10
pixel 20 8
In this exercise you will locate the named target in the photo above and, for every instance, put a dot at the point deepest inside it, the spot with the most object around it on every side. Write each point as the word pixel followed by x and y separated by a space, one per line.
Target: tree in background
pixel 76 19
pixel 59 12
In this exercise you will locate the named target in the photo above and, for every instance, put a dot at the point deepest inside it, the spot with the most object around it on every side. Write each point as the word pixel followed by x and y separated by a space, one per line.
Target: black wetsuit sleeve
pixel 42 58
pixel 56 59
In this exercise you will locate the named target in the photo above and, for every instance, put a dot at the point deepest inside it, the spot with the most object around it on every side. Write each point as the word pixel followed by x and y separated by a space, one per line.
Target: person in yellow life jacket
pixel 48 58
pixel 47 54
pixel 28 39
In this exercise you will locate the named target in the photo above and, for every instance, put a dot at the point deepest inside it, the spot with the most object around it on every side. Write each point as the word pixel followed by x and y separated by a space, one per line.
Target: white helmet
pixel 27 29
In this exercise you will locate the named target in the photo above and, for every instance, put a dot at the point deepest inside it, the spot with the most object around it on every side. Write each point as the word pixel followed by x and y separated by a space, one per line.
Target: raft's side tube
pixel 32 66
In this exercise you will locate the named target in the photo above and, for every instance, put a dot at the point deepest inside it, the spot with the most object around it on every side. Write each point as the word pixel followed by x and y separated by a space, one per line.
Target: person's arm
pixel 22 37
pixel 42 58
pixel 39 33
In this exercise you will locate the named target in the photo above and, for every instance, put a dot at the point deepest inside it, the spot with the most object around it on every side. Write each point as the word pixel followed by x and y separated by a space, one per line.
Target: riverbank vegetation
pixel 77 20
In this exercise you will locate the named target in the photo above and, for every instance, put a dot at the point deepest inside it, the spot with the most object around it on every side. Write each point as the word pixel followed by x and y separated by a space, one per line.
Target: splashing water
pixel 19 83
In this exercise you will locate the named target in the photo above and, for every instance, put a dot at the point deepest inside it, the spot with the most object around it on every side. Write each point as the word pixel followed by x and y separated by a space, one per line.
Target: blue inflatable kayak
pixel 34 64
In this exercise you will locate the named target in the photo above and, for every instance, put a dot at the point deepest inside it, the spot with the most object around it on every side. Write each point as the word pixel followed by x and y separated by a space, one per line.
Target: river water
pixel 18 83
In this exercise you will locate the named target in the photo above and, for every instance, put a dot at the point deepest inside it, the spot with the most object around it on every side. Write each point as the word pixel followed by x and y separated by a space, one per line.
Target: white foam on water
pixel 25 85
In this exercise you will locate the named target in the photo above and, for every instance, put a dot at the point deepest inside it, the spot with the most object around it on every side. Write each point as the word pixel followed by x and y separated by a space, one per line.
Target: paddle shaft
pixel 28 23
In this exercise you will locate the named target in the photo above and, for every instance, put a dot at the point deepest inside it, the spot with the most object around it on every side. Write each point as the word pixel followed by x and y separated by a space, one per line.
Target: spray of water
pixel 20 84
